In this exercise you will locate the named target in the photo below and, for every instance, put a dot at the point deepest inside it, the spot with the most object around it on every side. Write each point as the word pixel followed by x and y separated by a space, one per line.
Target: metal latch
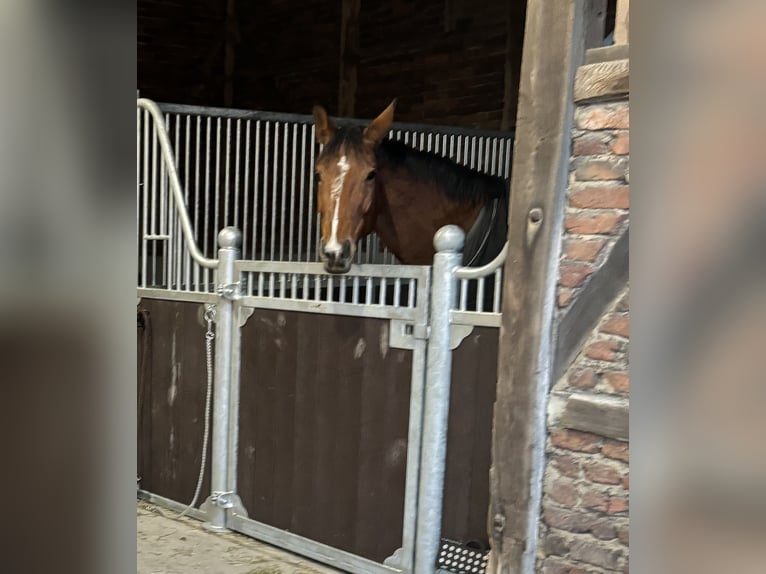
pixel 229 291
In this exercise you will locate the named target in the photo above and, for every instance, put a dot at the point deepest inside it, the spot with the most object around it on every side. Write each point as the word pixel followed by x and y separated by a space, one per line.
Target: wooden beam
pixel 621 22
pixel 553 48
pixel 595 82
pixel 349 56
pixel 595 22
pixel 607 54
pixel 597 414
pixel 591 304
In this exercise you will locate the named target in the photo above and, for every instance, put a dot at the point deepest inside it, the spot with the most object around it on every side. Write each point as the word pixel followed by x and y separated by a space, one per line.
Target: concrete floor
pixel 167 545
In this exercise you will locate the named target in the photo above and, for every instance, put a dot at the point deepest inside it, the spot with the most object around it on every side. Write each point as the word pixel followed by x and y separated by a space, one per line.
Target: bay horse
pixel 368 183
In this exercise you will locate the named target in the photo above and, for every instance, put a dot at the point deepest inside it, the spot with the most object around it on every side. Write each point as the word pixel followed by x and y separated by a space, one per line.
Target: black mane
pixel 459 182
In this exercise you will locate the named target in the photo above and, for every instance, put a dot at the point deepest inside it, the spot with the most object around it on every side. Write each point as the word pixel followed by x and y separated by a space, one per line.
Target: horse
pixel 369 183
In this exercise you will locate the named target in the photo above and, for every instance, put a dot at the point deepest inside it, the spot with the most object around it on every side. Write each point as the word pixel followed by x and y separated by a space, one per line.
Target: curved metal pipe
pixel 175 184
pixel 484 270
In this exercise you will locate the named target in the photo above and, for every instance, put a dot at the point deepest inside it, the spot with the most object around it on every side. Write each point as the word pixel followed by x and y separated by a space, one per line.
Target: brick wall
pixel 597 198
pixel 287 57
pixel 584 527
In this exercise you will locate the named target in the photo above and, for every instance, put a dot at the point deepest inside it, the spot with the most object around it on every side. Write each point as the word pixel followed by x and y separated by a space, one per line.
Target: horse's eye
pixel 370 176
pixel 318 176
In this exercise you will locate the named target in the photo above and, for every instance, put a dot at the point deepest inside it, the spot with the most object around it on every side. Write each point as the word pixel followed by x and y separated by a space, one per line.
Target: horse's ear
pixel 324 126
pixel 379 127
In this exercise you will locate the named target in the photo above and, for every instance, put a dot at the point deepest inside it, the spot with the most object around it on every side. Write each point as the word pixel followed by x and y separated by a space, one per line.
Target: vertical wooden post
pixel 349 56
pixel 553 49
pixel 621 22
pixel 514 31
pixel 595 23
pixel 230 40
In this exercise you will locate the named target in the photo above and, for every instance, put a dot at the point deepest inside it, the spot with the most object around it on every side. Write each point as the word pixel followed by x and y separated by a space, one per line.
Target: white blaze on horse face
pixel 337 188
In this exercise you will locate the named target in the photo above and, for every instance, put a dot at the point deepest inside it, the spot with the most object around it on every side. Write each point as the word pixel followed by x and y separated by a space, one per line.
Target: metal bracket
pixel 403 334
pixel 458 333
pixel 225 499
pixel 395 560
pixel 229 291
pixel 244 314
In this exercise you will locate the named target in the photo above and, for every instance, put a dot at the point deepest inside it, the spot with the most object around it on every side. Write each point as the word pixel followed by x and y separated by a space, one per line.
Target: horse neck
pixel 409 211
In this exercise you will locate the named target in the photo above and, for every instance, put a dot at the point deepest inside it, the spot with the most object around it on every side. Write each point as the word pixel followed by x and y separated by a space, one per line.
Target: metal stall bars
pixel 255 170
pixel 222 496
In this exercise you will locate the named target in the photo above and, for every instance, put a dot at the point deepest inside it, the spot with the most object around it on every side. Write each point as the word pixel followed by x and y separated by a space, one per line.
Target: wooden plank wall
pixel 324 419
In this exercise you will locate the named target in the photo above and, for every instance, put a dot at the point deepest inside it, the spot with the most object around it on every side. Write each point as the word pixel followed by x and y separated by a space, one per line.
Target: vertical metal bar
pixel 495 160
pixel 480 294
pixel 382 294
pixel 206 234
pixel 144 229
pixel 246 253
pixel 237 190
pixel 196 196
pixel 397 291
pixel 291 213
pixel 355 290
pixel 260 284
pixel 138 191
pixel 302 192
pixel 265 189
pixel 163 188
pixel 256 182
pixel 317 288
pixel 411 294
pixel 217 206
pixel 187 258
pixel 178 237
pixel 226 185
pixel 229 240
pixel 463 294
pixel 283 216
pixel 309 235
pixel 274 188
pixel 449 244
pixel 368 291
pixel 343 289
pixel 153 220
pixel 329 289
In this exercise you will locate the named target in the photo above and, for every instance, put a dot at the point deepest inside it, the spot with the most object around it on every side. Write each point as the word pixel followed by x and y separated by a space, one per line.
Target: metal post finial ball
pixel 449 238
pixel 229 237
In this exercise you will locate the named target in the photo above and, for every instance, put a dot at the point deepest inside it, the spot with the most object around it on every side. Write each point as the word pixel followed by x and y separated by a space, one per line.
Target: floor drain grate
pixel 461 559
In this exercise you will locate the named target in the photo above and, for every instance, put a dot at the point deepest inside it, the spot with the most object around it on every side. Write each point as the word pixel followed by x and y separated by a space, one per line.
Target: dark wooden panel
pixel 466 494
pixel 323 429
pixel 173 382
pixel 323 423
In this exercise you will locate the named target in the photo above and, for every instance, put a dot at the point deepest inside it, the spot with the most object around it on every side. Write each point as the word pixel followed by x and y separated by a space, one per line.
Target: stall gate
pixel 251 174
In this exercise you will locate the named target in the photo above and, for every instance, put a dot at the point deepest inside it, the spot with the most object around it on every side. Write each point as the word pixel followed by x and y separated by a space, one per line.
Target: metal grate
pixel 461 559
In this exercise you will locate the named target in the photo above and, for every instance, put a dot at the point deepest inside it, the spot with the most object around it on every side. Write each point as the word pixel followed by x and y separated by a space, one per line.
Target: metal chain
pixel 209 336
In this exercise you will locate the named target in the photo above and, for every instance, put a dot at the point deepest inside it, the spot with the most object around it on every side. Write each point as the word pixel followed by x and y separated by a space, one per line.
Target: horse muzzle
pixel 337 261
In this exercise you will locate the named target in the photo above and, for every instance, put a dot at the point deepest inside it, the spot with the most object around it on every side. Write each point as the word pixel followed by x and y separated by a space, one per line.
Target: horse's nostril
pixel 346 251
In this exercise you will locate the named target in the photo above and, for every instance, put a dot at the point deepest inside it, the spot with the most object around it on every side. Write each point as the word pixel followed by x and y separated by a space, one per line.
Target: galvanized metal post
pixel 448 242
pixel 229 241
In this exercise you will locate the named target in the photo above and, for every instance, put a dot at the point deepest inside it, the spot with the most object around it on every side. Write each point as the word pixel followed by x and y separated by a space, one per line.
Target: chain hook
pixel 210 318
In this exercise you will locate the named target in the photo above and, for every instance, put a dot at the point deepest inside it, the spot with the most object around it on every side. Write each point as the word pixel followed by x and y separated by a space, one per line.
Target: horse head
pixel 346 174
